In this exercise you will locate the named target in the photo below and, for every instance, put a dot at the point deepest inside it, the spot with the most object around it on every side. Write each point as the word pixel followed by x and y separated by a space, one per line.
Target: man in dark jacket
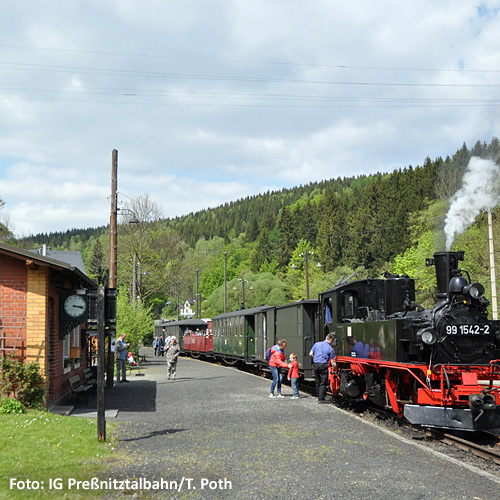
pixel 322 353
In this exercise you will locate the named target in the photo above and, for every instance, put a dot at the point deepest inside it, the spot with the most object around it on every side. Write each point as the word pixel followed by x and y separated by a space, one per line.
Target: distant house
pixel 187 311
pixel 42 302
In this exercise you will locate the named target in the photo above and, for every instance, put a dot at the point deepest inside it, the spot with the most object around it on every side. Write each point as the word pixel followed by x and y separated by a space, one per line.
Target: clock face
pixel 75 306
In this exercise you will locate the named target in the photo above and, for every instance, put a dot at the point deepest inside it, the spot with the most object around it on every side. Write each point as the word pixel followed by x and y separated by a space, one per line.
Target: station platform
pixel 214 433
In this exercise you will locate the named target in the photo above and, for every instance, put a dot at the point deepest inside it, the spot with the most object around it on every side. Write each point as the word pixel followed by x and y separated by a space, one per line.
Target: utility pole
pixel 113 220
pixel 225 282
pixel 307 273
pixel 494 307
pixel 134 280
pixel 197 309
pixel 113 256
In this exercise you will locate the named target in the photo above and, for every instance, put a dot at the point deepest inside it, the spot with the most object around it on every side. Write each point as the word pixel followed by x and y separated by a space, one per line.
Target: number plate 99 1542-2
pixel 467 329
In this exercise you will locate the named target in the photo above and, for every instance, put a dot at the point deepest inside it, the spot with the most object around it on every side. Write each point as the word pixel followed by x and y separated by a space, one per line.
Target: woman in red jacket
pixel 277 362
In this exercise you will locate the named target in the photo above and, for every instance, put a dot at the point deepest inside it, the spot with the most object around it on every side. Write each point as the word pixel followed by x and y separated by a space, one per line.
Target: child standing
pixel 293 375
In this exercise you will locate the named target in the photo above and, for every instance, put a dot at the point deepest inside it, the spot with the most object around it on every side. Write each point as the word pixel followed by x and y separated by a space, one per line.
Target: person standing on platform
pixel 121 348
pixel 322 354
pixel 276 363
pixel 173 350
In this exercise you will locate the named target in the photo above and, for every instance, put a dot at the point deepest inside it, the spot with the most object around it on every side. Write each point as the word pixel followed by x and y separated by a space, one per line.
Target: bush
pixel 21 381
pixel 12 406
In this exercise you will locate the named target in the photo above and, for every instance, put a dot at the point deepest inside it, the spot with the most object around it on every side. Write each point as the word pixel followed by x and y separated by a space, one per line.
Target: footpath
pixel 214 433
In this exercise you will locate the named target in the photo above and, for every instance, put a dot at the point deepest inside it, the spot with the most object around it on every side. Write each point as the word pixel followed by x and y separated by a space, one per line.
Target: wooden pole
pixel 225 282
pixel 307 274
pixel 113 256
pixel 101 362
pixel 197 310
pixel 113 220
pixel 134 280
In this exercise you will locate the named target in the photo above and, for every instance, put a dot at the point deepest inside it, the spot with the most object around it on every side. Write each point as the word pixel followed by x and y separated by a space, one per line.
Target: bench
pixel 78 388
pixel 89 377
pixel 141 357
pixel 136 367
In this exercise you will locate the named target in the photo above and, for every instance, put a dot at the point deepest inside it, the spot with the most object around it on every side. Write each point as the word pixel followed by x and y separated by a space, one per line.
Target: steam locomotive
pixel 438 367
pixel 435 367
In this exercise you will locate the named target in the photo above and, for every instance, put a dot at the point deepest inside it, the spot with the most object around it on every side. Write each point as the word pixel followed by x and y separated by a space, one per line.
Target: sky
pixel 210 101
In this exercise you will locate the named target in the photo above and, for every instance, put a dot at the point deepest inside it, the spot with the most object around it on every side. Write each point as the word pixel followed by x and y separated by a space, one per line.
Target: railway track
pixel 488 451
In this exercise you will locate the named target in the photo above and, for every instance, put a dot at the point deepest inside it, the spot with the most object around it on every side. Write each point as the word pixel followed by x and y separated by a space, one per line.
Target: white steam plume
pixel 480 191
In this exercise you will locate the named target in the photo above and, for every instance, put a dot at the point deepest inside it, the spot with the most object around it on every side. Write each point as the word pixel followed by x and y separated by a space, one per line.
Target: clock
pixel 75 306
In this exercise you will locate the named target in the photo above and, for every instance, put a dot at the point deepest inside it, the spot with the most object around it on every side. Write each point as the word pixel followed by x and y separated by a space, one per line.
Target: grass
pixel 43 447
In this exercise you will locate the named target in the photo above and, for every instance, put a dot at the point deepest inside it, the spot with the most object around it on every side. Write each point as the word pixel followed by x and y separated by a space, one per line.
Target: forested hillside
pixel 366 224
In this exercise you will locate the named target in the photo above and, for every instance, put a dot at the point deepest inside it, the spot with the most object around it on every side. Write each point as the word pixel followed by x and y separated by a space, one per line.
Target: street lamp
pixel 243 291
pixel 305 257
pixel 196 299
pixel 225 282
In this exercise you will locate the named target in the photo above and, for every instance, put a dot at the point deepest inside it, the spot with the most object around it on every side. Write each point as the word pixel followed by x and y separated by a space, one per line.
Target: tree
pixel 136 322
pixel 332 230
pixel 262 254
pixel 147 251
pixel 252 230
pixel 5 233
pixel 288 235
pixel 99 269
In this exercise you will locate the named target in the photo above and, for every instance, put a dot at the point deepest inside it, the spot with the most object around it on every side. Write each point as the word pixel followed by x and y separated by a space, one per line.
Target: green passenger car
pixel 298 323
pixel 234 334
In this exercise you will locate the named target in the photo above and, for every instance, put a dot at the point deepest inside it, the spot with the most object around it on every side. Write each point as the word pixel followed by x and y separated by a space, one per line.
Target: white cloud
pixel 207 102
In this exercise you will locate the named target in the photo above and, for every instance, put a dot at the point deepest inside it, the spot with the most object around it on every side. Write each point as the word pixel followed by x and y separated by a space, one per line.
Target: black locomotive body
pixel 437 367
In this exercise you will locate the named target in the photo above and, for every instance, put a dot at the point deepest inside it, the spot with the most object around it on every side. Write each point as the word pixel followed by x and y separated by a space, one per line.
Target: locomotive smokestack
pixel 446 263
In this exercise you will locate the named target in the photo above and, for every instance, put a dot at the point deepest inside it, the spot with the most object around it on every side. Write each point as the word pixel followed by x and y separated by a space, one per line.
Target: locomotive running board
pixel 452 418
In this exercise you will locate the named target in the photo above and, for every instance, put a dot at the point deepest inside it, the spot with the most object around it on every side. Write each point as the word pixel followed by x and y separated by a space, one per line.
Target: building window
pixel 66 351
pixel 71 350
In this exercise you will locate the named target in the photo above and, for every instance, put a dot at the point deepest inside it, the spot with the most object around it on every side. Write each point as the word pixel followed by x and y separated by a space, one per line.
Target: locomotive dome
pixel 457 284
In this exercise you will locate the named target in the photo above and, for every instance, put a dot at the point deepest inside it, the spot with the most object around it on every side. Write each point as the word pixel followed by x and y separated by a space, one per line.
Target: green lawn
pixel 53 450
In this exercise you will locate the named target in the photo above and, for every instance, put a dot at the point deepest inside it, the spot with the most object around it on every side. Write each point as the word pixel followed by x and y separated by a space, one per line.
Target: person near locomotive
pixel 155 346
pixel 173 351
pixel 276 362
pixel 121 358
pixel 293 375
pixel 322 354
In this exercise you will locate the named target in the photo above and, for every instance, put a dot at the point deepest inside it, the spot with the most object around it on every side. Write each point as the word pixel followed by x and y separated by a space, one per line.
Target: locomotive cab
pixel 361 317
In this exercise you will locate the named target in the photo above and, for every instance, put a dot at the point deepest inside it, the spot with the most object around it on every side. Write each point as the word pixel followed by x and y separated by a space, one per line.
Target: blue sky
pixel 208 101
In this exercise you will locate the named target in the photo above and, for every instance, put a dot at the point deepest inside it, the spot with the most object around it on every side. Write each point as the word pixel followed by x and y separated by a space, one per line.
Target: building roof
pixel 46 261
pixel 74 259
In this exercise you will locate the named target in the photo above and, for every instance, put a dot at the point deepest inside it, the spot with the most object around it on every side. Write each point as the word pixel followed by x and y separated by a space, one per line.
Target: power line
pixel 257 105
pixel 253 79
pixel 120 92
pixel 248 61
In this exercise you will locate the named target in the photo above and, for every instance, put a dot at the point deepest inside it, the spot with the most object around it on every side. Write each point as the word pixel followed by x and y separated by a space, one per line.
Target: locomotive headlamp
pixel 427 336
pixel 476 290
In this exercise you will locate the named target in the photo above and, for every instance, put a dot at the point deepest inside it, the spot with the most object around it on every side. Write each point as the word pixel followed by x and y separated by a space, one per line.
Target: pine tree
pixel 98 269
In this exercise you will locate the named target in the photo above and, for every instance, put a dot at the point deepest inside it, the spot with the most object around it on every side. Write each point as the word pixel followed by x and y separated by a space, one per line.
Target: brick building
pixel 33 322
